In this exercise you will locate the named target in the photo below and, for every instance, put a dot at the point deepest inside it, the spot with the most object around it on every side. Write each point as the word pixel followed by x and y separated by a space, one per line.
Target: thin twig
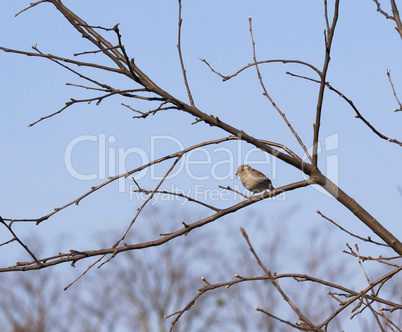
pixel 96 51
pixel 368 239
pixel 393 90
pixel 134 110
pixel 55 57
pixel 350 102
pixel 154 111
pixel 127 174
pixel 362 267
pixel 235 191
pixel 183 69
pixel 284 61
pixel 89 33
pixel 98 99
pixel 277 318
pixel 127 61
pixel 363 293
pixel 128 228
pixel 190 199
pixel 103 85
pixel 96 27
pixel 269 97
pixel 87 87
pixel 150 197
pixel 83 273
pixel 16 238
pixel 30 6
pixel 380 259
pixel 387 16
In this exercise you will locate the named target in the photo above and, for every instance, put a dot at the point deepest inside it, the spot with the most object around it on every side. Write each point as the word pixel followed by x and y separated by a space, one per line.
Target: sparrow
pixel 253 180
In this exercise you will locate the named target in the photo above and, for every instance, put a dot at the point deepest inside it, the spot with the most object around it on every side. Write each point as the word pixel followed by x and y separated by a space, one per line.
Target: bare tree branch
pixel 124 175
pixel 387 16
pixel 16 238
pixel 393 90
pixel 328 44
pixel 190 199
pixel 311 170
pixel 190 97
pixel 350 295
pixel 265 93
pixel 285 61
pixel 54 57
pixel 350 102
pixel 75 256
pixel 305 322
pixel 395 16
pixel 30 6
pixel 354 235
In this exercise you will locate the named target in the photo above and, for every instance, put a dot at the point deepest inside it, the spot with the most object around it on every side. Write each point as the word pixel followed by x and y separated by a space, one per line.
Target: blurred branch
pixel 362 295
pixel 380 259
pixel 278 319
pixel 304 324
pixel 304 321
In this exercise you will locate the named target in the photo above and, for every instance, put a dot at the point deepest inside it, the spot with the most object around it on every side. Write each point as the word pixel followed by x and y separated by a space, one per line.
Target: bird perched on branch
pixel 253 180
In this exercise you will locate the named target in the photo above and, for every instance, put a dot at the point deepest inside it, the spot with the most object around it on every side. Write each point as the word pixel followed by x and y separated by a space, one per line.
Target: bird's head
pixel 241 169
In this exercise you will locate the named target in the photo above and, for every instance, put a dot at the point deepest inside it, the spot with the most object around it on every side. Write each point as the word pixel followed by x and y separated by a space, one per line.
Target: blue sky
pixel 34 177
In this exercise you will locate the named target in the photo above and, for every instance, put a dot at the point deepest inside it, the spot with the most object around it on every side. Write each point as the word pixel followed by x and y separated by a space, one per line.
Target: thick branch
pixel 358 211
pixel 88 33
